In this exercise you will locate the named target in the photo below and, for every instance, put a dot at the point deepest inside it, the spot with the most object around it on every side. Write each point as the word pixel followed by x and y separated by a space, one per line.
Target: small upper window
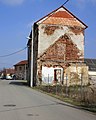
pixel 20 68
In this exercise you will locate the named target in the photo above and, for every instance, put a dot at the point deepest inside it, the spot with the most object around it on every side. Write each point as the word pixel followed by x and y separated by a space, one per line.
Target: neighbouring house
pixel 56 50
pixel 7 73
pixel 21 70
pixel 91 63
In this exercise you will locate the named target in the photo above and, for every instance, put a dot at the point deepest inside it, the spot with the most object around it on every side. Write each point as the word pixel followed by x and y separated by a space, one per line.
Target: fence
pixel 81 94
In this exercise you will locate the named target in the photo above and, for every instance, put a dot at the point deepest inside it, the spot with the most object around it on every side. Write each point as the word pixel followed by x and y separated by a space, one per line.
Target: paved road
pixel 18 102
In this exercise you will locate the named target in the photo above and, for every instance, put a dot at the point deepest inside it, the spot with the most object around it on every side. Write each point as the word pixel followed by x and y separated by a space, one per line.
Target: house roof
pixel 24 62
pixel 61 16
pixel 8 71
pixel 91 63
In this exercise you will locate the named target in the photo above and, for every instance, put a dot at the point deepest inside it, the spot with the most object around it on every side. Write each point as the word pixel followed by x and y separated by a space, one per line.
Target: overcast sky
pixel 17 17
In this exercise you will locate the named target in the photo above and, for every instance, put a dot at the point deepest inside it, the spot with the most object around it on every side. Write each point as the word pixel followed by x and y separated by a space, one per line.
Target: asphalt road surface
pixel 18 102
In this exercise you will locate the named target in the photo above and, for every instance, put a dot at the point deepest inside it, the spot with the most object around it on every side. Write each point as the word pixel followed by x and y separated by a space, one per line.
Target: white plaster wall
pixel 48 74
pixel 78 40
pixel 46 40
pixel 92 73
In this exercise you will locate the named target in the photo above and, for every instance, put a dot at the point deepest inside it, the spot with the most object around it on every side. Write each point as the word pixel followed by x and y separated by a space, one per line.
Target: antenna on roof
pixel 65 2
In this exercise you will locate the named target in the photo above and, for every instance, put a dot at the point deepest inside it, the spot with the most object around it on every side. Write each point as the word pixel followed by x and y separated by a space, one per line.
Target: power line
pixel 13 53
pixel 65 2
pixel 25 47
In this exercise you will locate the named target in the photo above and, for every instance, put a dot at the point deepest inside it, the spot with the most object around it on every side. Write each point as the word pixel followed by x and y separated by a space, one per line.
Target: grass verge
pixel 81 105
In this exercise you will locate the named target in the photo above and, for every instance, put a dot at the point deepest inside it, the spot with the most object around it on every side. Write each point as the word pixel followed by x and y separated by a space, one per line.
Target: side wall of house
pixel 29 63
pixel 35 52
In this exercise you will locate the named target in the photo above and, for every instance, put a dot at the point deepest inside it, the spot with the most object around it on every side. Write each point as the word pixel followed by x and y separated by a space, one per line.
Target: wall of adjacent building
pixel 77 74
pixel 21 72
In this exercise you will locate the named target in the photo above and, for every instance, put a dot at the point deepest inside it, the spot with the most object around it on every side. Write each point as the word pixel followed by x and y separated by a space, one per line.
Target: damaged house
pixel 56 50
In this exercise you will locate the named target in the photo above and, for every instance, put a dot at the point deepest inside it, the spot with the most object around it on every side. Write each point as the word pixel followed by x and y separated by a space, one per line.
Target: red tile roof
pixel 62 14
pixel 62 21
pixel 21 63
pixel 8 71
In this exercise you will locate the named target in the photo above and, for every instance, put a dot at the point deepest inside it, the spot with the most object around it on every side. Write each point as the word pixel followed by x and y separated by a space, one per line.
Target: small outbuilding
pixel 91 63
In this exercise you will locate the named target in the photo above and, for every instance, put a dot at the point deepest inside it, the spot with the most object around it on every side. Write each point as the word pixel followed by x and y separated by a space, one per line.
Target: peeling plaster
pixel 45 41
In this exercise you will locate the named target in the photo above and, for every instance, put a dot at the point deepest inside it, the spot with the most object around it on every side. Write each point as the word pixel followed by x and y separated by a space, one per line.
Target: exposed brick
pixel 62 14
pixel 50 29
pixel 62 21
pixel 76 30
pixel 62 49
